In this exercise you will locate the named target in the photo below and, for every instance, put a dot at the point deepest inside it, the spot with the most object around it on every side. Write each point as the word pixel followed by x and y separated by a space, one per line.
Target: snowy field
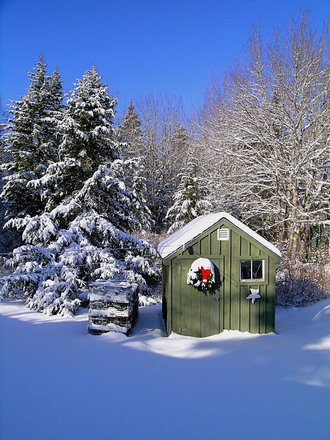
pixel 60 383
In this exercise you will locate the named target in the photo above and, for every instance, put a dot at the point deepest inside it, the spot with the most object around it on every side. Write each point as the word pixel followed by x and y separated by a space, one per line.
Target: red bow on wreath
pixel 205 273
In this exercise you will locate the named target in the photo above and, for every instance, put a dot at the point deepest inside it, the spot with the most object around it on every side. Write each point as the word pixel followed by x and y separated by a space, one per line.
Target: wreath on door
pixel 201 274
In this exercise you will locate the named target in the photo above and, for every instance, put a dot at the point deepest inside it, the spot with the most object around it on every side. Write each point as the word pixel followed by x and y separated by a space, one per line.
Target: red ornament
pixel 205 273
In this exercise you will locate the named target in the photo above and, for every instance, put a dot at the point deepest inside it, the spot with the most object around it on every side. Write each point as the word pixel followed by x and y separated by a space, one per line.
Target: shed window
pixel 252 269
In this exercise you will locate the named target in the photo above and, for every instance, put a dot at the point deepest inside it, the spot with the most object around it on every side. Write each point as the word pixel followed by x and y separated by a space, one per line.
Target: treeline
pixel 42 129
pixel 258 147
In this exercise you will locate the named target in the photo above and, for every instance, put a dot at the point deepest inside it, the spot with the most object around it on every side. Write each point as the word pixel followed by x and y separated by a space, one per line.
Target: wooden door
pixel 194 312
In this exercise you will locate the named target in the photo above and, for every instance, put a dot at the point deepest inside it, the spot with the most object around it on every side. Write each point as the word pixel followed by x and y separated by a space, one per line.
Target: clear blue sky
pixel 139 46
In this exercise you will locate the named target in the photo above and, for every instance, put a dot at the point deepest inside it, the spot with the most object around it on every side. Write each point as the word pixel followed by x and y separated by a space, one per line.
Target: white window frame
pixel 254 280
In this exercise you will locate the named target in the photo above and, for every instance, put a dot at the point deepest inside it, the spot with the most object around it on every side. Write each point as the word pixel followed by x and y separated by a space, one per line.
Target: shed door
pixel 196 313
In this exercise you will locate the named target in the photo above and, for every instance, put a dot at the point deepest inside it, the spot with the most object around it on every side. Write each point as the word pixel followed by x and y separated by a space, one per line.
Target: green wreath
pixel 201 274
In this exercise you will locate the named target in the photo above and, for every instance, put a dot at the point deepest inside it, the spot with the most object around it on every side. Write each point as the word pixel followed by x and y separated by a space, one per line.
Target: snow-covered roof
pixel 199 225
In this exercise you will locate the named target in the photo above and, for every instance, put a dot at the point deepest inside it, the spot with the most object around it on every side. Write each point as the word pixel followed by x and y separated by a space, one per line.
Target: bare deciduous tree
pixel 267 125
pixel 162 150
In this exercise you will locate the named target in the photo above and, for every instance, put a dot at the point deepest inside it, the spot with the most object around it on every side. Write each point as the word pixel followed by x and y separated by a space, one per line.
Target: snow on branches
pixel 86 209
pixel 73 245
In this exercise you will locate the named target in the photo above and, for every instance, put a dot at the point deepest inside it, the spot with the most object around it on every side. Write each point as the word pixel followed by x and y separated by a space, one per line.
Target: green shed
pixel 218 274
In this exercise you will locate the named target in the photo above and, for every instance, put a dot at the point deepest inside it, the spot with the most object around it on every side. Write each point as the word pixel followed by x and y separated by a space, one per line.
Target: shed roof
pixel 199 225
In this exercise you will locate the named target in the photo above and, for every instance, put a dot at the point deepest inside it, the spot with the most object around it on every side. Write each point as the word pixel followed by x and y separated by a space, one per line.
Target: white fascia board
pixel 199 225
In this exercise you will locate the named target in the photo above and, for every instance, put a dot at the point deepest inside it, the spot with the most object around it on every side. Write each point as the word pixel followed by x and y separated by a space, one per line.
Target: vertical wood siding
pixel 191 312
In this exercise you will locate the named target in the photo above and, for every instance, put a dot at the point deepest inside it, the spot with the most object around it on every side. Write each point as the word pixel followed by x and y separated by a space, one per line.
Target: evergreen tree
pixel 171 170
pixel 130 136
pixel 88 122
pixel 88 139
pixel 189 200
pixel 83 235
pixel 3 238
pixel 134 177
pixel 130 133
pixel 32 137
pixel 80 241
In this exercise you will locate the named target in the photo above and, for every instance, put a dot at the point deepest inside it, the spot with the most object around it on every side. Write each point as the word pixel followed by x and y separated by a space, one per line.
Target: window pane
pixel 245 270
pixel 257 269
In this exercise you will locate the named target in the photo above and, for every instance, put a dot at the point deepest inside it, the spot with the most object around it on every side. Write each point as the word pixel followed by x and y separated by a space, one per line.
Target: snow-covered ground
pixel 60 383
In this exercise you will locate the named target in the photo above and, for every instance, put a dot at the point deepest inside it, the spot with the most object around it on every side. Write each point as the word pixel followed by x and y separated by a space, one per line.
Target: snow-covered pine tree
pixel 86 236
pixel 189 201
pixel 31 141
pixel 88 123
pixel 130 133
pixel 134 178
pixel 130 136
pixel 87 140
pixel 3 239
pixel 76 243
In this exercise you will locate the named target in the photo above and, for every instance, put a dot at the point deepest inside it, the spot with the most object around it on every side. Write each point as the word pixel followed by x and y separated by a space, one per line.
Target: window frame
pixel 253 280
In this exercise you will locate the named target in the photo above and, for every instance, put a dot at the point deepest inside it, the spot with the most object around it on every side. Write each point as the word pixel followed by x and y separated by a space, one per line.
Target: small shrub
pixel 301 284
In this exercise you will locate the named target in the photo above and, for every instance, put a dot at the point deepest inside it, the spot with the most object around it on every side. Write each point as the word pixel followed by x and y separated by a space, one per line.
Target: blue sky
pixel 138 46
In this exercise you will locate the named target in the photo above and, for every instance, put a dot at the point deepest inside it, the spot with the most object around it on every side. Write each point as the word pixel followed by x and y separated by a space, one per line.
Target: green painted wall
pixel 189 311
